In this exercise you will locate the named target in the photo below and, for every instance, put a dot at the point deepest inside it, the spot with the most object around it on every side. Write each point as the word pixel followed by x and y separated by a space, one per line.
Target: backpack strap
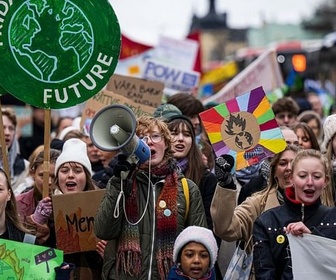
pixel 29 238
pixel 186 196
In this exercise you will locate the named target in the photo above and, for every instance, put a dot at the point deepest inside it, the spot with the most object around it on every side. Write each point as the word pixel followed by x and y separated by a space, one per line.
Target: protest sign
pixel 245 128
pixel 74 219
pixel 180 53
pixel 313 257
pixel 57 54
pixel 147 93
pixel 173 78
pixel 26 261
pixel 105 98
pixel 264 71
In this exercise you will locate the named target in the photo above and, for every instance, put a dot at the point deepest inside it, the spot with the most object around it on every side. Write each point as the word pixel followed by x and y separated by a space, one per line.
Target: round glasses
pixel 155 138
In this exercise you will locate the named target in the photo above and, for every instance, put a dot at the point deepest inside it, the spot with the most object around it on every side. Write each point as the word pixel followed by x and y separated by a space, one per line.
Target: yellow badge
pixel 280 239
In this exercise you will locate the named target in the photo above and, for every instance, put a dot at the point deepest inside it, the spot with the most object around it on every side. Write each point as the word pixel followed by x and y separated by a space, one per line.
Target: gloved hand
pixel 122 165
pixel 43 211
pixel 265 169
pixel 223 166
pixel 63 271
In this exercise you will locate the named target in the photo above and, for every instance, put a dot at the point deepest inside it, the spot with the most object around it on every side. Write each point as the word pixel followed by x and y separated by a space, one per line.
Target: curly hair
pixel 145 124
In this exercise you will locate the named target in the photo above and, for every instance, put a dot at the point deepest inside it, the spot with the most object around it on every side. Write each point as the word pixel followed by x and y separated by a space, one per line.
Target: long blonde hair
pixel 327 194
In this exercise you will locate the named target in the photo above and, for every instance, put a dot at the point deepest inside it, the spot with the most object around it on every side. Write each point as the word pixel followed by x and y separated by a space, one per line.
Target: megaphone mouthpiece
pixel 119 134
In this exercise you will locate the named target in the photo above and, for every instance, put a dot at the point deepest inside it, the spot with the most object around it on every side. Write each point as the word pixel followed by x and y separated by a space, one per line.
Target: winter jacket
pixel 271 255
pixel 175 273
pixel 207 187
pixel 26 203
pixel 108 227
pixel 232 222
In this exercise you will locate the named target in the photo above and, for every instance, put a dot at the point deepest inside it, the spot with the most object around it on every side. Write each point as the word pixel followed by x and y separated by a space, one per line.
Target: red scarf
pixel 129 250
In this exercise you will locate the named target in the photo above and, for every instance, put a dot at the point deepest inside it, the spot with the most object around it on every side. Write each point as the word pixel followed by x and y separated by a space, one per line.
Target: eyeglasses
pixel 155 138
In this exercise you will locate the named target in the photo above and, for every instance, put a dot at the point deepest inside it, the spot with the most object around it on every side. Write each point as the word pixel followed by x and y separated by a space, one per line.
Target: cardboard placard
pixel 148 93
pixel 245 128
pixel 106 98
pixel 74 220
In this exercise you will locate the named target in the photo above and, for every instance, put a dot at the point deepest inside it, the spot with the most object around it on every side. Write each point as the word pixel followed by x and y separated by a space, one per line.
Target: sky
pixel 145 20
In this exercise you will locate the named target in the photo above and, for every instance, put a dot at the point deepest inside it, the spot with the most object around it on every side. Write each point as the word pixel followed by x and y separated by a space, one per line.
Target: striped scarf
pixel 129 250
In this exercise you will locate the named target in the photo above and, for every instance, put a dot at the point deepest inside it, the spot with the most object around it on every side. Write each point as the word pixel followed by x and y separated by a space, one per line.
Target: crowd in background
pixel 144 211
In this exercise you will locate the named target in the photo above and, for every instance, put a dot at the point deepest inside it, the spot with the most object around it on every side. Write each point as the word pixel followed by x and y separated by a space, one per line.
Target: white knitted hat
pixel 200 235
pixel 74 150
pixel 329 130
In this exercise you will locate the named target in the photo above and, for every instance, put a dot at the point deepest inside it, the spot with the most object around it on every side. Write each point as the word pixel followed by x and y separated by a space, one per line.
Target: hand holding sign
pixel 245 128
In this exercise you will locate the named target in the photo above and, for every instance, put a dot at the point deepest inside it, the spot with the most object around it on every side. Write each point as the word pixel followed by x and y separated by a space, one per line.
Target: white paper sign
pixel 180 53
pixel 264 71
pixel 313 257
pixel 172 77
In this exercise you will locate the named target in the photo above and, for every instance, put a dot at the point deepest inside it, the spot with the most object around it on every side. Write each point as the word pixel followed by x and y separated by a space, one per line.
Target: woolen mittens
pixel 43 211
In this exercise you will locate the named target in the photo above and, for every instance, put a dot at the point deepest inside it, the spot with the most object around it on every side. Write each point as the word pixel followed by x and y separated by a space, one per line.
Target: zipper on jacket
pixel 302 212
pixel 153 234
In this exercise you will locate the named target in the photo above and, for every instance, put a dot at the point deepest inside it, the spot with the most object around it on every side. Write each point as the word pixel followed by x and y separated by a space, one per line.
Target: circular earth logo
pixel 56 54
pixel 33 22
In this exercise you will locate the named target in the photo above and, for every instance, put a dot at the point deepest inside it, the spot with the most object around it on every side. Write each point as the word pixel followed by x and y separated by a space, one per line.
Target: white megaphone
pixel 113 128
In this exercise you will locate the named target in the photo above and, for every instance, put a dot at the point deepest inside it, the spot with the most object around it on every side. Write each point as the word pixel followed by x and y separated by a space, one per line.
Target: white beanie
pixel 329 130
pixel 200 235
pixel 74 150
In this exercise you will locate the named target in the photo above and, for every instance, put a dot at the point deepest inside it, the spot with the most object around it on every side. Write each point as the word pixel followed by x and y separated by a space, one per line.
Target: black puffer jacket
pixel 271 255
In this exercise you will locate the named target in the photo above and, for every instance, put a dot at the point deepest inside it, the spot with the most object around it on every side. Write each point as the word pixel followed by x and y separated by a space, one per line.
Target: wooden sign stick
pixel 46 155
pixel 3 146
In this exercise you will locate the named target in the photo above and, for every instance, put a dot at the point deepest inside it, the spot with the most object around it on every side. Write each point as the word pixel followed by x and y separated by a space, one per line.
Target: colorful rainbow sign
pixel 245 128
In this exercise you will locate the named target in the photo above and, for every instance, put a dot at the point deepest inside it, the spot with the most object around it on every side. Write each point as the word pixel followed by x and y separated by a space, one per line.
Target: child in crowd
pixel 195 253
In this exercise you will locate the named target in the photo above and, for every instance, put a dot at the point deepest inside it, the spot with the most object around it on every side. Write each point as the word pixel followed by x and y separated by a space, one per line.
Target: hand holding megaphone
pixel 123 168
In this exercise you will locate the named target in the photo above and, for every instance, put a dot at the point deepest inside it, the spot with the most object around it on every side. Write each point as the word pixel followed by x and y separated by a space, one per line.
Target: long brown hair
pixel 11 212
pixel 272 181
pixel 196 168
pixel 308 132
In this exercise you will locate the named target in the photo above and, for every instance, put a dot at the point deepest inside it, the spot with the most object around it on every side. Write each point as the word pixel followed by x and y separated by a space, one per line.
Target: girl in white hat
pixel 195 253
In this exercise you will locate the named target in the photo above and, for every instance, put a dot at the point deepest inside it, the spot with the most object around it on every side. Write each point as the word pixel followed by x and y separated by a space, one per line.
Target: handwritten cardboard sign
pixel 26 261
pixel 148 93
pixel 105 98
pixel 245 128
pixel 74 220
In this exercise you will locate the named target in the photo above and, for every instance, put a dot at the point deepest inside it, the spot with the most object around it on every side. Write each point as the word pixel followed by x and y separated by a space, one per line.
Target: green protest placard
pixel 56 54
pixel 26 261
